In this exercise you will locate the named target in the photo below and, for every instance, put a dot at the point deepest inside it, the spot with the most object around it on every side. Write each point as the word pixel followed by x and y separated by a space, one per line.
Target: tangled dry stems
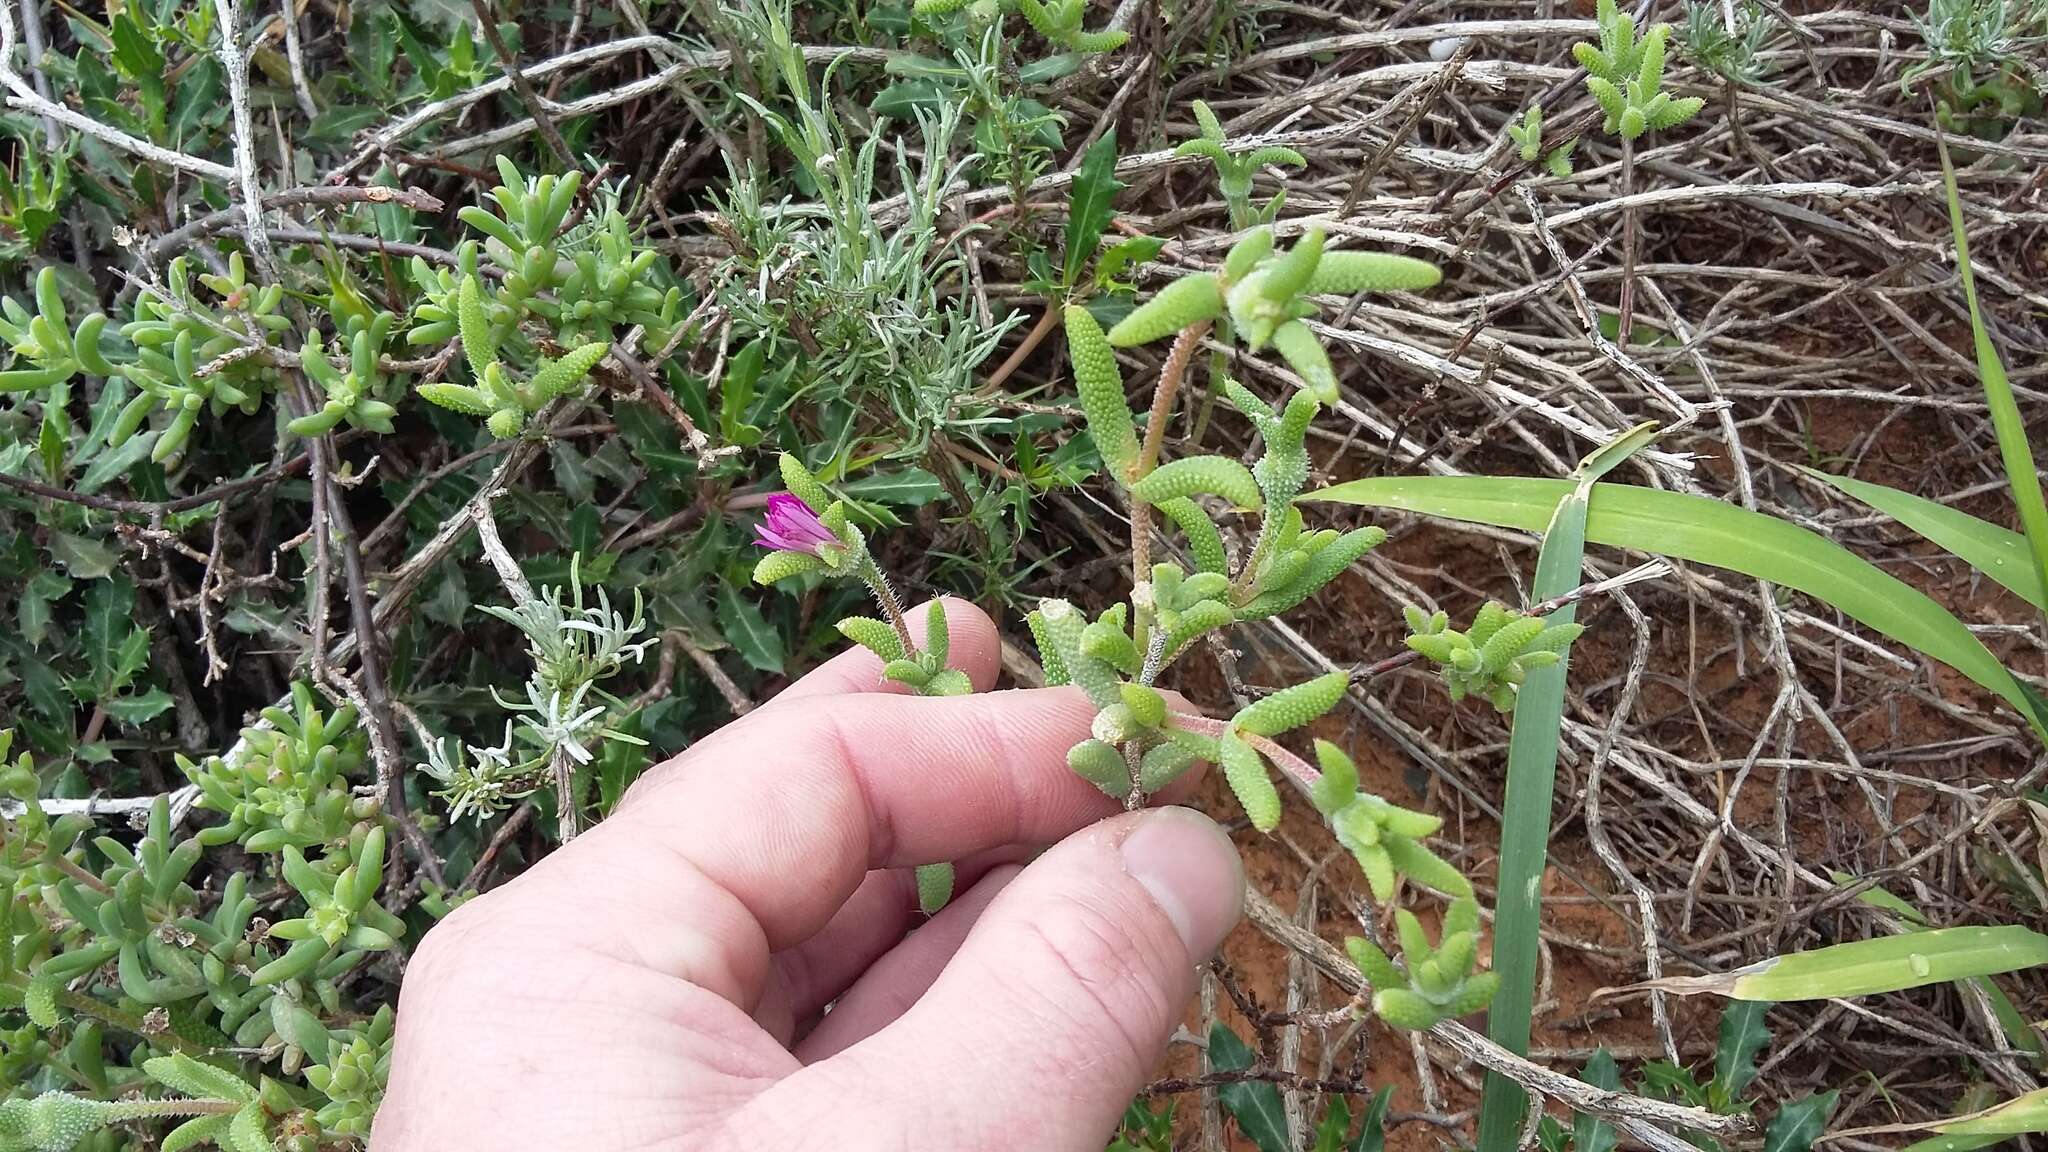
pixel 1727 746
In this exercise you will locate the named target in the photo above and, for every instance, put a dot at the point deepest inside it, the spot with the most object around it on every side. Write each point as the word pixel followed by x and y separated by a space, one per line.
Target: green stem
pixel 1626 309
pixel 871 575
pixel 125 1110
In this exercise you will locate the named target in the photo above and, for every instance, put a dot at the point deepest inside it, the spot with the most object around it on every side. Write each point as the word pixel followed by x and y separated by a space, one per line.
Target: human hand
pixel 646 986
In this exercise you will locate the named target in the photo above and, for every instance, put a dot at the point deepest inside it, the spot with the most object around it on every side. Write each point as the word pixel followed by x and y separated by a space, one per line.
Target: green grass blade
pixel 2020 1115
pixel 1525 834
pixel 2020 1034
pixel 1868 967
pixel 1998 553
pixel 2013 449
pixel 1711 532
pixel 1532 774
pixel 1947 1143
pixel 1954 1142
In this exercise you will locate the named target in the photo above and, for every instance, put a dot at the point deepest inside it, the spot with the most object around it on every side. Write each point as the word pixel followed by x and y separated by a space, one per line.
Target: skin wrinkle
pixel 592 1014
pixel 880 833
pixel 823 967
pixel 816 779
pixel 899 979
pixel 1103 965
pixel 736 972
pixel 714 906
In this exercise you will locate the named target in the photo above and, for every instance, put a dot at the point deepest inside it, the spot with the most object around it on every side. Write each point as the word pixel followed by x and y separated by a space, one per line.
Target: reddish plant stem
pixel 1039 331
pixel 1302 771
pixel 1170 376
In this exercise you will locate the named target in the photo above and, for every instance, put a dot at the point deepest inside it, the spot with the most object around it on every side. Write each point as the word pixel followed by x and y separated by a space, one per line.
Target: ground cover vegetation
pixel 1573 463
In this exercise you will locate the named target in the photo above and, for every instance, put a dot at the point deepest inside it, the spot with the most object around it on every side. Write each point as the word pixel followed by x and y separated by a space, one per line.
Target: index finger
pixel 749 842
pixel 975 647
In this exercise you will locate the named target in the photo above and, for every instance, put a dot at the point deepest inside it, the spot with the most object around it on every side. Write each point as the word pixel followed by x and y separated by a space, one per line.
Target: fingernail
pixel 1191 870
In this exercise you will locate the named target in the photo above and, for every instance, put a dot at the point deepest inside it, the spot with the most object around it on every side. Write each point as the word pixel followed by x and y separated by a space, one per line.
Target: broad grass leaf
pixel 2020 1115
pixel 1708 531
pixel 2014 450
pixel 1998 553
pixel 1868 967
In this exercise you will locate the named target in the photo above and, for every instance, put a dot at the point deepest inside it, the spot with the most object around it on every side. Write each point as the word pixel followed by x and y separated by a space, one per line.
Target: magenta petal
pixel 792 526
pixel 787 504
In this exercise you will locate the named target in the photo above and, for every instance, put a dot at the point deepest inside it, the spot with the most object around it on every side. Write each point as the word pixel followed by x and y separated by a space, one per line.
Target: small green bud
pixel 1338 786
pixel 1147 706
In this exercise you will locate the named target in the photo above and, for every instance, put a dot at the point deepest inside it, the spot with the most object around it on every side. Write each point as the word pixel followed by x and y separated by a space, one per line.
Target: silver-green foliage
pixel 562 713
pixel 1734 54
pixel 862 290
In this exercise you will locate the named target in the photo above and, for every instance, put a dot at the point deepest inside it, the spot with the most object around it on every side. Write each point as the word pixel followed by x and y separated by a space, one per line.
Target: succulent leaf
pixel 1190 475
pixel 1101 388
pixel 1245 772
pixel 1183 303
pixel 1293 707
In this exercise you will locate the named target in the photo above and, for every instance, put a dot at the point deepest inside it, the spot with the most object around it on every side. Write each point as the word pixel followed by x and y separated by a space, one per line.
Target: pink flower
pixel 793 527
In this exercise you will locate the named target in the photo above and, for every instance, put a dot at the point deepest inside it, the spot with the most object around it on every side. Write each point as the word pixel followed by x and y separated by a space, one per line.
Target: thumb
pixel 1058 1005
